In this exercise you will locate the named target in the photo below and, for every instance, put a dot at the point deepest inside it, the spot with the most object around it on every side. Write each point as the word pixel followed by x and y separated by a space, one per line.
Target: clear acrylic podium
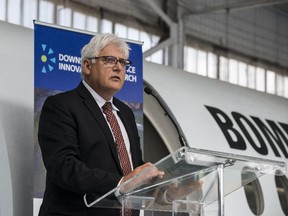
pixel 194 184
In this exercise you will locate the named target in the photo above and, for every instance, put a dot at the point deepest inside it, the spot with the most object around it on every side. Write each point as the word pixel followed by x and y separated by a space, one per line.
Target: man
pixel 78 142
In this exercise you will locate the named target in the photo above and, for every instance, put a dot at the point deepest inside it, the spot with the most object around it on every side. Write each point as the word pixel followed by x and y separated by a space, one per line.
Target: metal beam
pixel 160 46
pixel 175 41
pixel 160 12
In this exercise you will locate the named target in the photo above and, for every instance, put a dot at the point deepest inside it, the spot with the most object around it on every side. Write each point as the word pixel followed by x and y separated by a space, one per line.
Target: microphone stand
pixel 148 90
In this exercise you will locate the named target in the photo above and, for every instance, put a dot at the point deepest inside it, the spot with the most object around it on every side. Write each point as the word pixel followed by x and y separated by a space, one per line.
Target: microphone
pixel 149 91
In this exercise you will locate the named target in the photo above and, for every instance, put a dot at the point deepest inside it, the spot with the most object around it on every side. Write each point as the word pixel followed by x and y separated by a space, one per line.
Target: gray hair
pixel 99 42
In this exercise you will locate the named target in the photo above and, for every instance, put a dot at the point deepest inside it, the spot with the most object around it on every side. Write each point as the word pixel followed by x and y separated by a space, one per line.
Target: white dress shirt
pixel 100 101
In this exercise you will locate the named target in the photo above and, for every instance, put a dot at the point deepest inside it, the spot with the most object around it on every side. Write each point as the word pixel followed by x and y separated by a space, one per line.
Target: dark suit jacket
pixel 79 152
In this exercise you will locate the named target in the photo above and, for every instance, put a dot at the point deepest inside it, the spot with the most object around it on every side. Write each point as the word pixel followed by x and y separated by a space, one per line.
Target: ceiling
pixel 195 6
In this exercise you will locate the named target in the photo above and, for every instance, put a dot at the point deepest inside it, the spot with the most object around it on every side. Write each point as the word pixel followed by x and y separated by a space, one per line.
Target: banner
pixel 57 68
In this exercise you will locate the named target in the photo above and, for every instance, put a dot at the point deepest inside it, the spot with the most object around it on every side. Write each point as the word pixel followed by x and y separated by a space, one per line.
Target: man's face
pixel 104 79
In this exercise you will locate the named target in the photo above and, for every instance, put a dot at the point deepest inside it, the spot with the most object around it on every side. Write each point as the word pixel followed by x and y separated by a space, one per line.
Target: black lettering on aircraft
pixel 235 140
pixel 226 125
pixel 240 119
pixel 276 136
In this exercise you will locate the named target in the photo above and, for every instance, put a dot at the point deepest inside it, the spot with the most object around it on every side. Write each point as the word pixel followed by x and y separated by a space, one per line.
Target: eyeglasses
pixel 112 61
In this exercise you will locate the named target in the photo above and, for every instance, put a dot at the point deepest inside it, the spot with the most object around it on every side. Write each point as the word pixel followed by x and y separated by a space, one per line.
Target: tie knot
pixel 107 107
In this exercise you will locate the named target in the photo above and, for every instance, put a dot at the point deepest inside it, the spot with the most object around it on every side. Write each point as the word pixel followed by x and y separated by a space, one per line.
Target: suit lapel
pixel 96 112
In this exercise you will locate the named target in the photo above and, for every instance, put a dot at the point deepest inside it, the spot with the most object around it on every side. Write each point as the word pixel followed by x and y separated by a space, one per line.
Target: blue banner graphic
pixel 58 62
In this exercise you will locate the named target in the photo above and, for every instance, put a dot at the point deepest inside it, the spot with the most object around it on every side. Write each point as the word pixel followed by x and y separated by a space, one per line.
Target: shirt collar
pixel 99 100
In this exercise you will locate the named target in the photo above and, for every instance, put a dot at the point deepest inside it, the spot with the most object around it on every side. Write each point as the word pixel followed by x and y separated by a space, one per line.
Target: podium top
pixel 191 175
pixel 264 166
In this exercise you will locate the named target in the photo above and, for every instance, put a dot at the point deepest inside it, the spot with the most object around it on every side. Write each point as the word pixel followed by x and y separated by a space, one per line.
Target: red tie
pixel 120 145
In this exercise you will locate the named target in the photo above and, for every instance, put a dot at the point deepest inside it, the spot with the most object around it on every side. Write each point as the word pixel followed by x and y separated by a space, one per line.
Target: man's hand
pixel 178 191
pixel 150 172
